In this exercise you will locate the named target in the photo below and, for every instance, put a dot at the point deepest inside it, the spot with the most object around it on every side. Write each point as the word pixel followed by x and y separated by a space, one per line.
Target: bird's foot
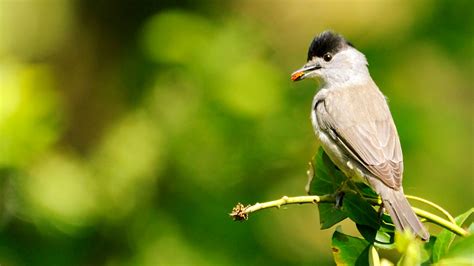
pixel 339 198
pixel 381 211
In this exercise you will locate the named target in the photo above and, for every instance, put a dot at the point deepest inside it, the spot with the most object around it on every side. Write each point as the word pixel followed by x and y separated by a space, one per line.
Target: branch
pixel 241 212
pixel 451 219
pixel 441 222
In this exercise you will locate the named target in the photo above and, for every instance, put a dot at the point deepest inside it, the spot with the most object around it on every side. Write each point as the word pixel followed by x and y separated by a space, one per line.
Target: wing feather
pixel 359 120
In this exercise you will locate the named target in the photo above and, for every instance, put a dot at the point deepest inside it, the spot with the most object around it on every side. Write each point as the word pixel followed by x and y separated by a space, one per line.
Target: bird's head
pixel 332 59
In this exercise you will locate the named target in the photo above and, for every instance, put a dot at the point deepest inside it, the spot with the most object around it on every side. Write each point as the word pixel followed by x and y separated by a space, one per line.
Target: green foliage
pixel 326 180
pixel 360 211
pixel 377 231
pixel 460 254
pixel 368 232
pixel 349 250
pixel 445 238
pixel 329 215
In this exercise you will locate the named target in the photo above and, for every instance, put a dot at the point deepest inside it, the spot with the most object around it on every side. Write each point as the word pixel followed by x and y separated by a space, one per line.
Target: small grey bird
pixel 353 123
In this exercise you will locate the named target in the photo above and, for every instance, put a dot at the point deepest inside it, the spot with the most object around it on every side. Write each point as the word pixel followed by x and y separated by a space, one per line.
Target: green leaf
pixel 462 253
pixel 387 223
pixel 347 249
pixel 368 257
pixel 428 246
pixel 367 232
pixel 445 238
pixel 360 211
pixel 329 215
pixel 366 191
pixel 374 259
pixel 385 240
pixel 363 258
pixel 326 177
pixel 379 238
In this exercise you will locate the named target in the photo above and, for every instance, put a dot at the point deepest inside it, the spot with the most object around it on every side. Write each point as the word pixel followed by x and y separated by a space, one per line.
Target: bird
pixel 353 123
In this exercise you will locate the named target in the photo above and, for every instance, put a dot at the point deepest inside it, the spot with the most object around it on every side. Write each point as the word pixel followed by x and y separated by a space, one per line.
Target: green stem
pixel 241 212
pixel 441 222
pixel 436 206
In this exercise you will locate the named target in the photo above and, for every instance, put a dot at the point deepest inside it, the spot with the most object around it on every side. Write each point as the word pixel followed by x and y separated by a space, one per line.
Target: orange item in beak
pixel 297 75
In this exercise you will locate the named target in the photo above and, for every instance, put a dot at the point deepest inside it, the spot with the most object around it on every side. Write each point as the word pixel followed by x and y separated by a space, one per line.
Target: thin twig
pixel 441 222
pixel 241 212
pixel 436 206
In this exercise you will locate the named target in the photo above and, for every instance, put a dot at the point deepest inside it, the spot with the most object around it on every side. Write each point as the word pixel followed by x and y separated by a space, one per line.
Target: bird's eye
pixel 327 57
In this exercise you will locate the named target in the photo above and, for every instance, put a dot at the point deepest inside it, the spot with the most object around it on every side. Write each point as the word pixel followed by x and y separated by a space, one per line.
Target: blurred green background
pixel 128 130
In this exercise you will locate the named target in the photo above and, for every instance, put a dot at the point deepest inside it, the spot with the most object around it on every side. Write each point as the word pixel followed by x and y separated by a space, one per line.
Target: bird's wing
pixel 358 120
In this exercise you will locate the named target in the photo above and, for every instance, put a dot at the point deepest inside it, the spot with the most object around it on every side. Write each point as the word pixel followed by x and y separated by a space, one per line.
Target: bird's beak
pixel 301 73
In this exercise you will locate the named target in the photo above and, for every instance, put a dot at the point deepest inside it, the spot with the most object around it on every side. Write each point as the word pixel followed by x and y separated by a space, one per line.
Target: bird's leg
pixel 339 198
pixel 339 193
pixel 381 211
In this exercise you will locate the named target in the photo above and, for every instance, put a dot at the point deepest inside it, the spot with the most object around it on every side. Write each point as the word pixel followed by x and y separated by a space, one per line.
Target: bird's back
pixel 357 119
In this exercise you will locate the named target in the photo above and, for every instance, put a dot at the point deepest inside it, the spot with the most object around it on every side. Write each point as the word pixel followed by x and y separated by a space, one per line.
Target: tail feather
pixel 401 212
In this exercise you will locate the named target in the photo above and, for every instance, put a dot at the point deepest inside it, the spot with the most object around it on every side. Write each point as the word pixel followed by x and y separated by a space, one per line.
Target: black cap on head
pixel 326 42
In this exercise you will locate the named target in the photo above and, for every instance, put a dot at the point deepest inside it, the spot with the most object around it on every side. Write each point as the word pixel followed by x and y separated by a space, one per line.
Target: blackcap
pixel 353 123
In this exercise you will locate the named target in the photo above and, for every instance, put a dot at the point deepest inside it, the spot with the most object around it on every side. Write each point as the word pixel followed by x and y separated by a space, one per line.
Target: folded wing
pixel 359 120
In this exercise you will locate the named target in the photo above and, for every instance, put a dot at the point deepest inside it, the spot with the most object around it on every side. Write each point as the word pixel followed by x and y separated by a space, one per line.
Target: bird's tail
pixel 401 212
